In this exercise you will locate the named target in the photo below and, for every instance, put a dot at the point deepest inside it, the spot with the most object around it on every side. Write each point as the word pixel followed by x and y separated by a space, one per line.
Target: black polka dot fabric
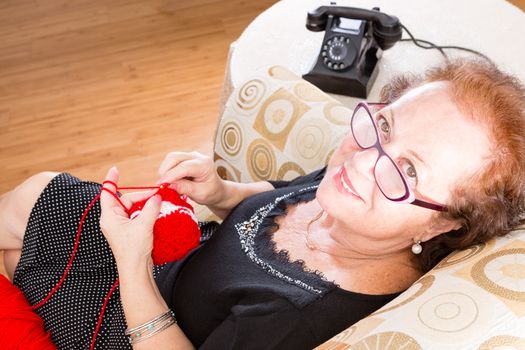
pixel 72 313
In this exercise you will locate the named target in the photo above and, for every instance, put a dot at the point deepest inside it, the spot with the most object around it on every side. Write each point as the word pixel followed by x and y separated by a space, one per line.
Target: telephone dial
pixel 353 43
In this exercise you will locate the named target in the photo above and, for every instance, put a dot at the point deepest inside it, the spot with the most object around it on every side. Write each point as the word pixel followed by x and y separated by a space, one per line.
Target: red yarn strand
pixel 117 198
pixel 111 183
pixel 132 187
pixel 101 316
pixel 140 188
pixel 75 248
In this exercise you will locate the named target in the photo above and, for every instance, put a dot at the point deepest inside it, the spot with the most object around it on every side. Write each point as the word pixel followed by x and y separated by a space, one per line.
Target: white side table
pixel 278 36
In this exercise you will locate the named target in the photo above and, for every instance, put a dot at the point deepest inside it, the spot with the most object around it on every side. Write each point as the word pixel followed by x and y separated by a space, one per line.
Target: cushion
pixel 277 126
pixel 473 299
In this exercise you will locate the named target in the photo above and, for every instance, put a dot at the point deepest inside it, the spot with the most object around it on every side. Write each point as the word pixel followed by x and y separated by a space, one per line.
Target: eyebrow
pixel 418 157
pixel 392 118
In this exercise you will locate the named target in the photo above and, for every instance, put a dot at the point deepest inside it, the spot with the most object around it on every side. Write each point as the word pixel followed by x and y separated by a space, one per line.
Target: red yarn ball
pixel 176 231
pixel 20 327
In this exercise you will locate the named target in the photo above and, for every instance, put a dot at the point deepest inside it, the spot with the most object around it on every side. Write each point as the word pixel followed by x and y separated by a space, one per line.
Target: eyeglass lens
pixel 363 128
pixel 387 175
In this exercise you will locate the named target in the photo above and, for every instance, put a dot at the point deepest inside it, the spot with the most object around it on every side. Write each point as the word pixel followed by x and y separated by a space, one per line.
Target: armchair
pixel 278 126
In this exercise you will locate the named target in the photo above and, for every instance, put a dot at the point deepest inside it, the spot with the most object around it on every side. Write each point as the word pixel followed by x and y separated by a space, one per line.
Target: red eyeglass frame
pixel 409 197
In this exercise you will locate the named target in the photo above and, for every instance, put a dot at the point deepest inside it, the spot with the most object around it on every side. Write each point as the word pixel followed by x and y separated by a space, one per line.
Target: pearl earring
pixel 417 248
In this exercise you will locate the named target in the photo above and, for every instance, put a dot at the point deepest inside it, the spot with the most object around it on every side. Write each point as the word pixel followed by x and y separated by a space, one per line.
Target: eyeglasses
pixel 389 178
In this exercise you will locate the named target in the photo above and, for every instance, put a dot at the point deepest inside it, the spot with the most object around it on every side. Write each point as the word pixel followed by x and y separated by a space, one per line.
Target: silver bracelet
pixel 162 316
pixel 150 328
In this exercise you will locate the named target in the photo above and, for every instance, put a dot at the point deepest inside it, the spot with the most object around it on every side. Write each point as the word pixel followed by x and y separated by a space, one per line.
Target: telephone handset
pixel 352 45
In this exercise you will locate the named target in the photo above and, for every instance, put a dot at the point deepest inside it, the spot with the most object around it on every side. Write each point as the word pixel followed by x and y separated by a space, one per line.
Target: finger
pixel 150 212
pixel 107 200
pixel 186 169
pixel 185 187
pixel 172 159
pixel 131 198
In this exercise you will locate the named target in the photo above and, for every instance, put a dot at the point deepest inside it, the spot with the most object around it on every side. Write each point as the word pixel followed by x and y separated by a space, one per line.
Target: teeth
pixel 345 185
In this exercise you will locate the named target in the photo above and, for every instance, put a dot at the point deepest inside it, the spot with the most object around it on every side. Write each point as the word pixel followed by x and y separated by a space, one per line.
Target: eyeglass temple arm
pixel 428 205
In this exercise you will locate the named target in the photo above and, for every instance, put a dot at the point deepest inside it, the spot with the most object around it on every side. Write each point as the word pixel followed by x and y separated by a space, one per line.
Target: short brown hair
pixel 492 202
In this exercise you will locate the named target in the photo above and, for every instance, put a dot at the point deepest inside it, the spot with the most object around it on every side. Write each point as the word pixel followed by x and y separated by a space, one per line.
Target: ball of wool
pixel 20 326
pixel 176 231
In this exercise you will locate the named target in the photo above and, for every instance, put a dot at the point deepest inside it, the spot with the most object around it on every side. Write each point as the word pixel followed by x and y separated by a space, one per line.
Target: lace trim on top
pixel 256 234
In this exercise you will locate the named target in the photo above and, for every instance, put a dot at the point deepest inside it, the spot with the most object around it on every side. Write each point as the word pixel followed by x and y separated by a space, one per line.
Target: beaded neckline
pixel 255 236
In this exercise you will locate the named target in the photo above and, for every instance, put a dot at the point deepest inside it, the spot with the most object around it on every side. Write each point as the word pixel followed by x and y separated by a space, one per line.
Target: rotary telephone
pixel 353 43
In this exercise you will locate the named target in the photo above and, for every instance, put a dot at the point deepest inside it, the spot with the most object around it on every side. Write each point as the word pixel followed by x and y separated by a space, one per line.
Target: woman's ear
pixel 439 226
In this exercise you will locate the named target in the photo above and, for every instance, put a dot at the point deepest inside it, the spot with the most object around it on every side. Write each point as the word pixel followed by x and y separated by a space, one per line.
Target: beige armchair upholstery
pixel 278 126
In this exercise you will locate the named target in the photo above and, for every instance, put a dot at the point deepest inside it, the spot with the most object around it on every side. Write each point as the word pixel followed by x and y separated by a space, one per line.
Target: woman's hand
pixel 131 241
pixel 194 175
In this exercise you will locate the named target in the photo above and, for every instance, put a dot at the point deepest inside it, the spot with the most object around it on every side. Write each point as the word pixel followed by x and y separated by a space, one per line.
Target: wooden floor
pixel 519 3
pixel 87 84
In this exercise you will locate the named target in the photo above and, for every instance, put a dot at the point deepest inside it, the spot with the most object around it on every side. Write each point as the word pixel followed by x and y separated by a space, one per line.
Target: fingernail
pixel 167 185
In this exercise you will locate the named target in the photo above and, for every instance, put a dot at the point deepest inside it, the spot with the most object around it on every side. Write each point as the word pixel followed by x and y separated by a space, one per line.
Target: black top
pixel 237 292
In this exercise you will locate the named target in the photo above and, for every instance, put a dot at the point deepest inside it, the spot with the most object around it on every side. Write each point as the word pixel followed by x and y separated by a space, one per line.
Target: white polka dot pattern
pixel 72 312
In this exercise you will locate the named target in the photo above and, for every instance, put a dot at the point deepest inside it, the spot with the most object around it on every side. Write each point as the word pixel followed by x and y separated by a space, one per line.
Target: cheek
pixel 358 220
pixel 382 220
pixel 334 203
pixel 328 199
pixel 381 215
pixel 345 149
pixel 323 191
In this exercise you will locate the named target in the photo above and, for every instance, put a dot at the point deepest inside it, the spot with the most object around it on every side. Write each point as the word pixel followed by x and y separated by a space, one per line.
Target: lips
pixel 344 184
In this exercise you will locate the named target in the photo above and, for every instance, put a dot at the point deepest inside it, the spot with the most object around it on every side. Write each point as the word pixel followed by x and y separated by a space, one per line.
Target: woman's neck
pixel 323 234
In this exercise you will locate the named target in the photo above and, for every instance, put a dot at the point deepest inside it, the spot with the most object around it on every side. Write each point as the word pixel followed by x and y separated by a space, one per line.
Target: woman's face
pixel 432 142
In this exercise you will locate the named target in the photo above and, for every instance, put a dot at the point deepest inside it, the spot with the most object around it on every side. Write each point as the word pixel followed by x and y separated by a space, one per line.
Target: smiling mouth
pixel 347 184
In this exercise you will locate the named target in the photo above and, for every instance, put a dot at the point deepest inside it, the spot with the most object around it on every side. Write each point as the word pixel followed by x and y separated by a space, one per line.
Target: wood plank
pixel 87 84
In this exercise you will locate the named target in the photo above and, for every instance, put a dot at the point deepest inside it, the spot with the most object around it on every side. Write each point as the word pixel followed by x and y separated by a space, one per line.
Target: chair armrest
pixel 473 299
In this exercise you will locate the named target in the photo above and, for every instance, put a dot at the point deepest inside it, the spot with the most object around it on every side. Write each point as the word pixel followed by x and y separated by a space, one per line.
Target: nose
pixel 365 160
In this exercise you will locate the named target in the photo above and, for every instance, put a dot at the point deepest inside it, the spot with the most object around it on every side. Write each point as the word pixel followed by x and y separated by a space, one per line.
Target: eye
pixel 409 171
pixel 383 126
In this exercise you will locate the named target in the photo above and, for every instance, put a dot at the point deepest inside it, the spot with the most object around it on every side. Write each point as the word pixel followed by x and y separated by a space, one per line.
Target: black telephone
pixel 352 45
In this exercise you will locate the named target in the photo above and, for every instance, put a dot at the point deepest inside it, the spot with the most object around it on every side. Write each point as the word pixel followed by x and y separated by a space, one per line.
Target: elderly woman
pixel 439 166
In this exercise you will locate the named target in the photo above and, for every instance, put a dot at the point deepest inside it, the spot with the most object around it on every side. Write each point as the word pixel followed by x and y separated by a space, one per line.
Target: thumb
pixel 151 210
